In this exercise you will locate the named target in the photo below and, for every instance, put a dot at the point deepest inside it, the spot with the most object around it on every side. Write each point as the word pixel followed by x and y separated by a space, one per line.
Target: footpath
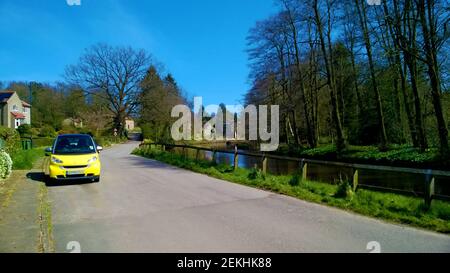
pixel 25 213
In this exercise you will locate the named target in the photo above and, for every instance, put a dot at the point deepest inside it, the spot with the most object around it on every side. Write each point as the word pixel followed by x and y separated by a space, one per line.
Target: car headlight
pixel 56 160
pixel 92 160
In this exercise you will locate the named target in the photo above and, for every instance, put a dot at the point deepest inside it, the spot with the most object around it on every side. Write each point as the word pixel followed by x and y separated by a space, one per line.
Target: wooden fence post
pixel 236 157
pixel 355 179
pixel 197 154
pixel 214 157
pixel 304 169
pixel 429 190
pixel 264 164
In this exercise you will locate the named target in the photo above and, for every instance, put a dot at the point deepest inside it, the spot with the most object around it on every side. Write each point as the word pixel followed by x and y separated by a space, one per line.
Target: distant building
pixel 13 111
pixel 129 124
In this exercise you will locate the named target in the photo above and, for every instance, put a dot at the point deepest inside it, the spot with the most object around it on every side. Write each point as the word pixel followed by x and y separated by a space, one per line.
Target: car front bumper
pixel 69 179
pixel 61 173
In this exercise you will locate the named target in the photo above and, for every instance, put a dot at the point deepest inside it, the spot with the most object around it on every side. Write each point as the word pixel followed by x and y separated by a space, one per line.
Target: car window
pixel 74 145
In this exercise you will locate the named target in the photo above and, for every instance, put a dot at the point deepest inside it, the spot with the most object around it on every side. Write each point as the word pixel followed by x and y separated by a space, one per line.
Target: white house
pixel 13 111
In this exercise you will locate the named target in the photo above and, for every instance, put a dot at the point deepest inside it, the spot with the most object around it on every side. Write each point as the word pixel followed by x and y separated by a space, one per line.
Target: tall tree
pixel 428 16
pixel 113 73
pixel 156 102
pixel 269 55
pixel 362 15
pixel 327 52
pixel 396 23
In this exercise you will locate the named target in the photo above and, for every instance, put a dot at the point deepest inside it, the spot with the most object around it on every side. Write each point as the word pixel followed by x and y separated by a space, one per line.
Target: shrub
pixel 108 141
pixel 146 131
pixel 35 131
pixel 295 180
pixel 68 129
pixel 86 131
pixel 11 138
pixel 148 141
pixel 5 164
pixel 344 190
pixel 136 130
pixel 100 141
pixel 47 131
pixel 25 130
pixel 43 142
pixel 256 173
pixel 320 151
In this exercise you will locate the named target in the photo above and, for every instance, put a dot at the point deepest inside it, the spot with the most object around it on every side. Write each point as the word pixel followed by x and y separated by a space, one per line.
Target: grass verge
pixel 391 207
pixel 25 159
pixel 45 237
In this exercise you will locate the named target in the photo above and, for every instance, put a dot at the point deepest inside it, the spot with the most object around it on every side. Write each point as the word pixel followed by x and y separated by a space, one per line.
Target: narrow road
pixel 145 206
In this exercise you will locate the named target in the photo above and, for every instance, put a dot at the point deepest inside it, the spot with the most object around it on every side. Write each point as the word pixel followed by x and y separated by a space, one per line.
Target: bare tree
pixel 269 55
pixel 428 13
pixel 327 52
pixel 396 23
pixel 362 15
pixel 114 74
pixel 291 19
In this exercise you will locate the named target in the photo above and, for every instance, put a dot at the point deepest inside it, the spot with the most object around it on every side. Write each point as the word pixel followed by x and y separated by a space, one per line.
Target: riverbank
pixel 386 206
pixel 395 155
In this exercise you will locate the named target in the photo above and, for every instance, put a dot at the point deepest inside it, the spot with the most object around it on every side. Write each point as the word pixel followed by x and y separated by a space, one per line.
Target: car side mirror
pixel 48 151
pixel 99 148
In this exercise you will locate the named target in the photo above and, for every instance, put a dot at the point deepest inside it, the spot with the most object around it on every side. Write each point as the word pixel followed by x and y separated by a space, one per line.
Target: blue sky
pixel 201 42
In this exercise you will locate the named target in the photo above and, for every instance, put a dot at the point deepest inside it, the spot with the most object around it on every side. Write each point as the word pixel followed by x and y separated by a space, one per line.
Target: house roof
pixel 18 115
pixel 5 95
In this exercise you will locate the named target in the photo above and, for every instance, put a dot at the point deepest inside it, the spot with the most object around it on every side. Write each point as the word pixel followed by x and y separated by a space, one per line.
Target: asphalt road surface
pixel 145 206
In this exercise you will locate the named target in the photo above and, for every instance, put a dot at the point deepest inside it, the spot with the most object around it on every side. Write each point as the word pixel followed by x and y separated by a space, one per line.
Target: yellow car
pixel 73 157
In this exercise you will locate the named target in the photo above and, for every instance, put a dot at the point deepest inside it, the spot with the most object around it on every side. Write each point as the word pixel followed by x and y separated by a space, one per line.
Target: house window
pixel 15 108
pixel 17 123
pixel 25 110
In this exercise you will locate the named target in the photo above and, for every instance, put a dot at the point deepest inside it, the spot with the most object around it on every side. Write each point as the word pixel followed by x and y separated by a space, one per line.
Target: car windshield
pixel 74 145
